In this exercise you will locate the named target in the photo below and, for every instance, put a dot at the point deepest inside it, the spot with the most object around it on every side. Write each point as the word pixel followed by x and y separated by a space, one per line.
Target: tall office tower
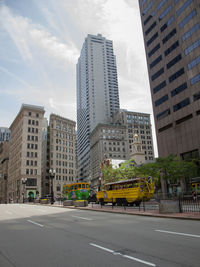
pixel 61 154
pixel 171 31
pixel 25 154
pixel 97 93
pixel 4 134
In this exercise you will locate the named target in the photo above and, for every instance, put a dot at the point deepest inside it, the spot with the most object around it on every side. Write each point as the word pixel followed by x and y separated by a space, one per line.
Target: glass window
pixel 161 4
pixel 161 100
pixel 188 18
pixel 167 24
pixel 169 36
pixel 154 50
pixel 174 61
pixel 190 32
pixel 181 104
pixel 150 28
pixel 195 79
pixel 149 18
pixel 163 114
pixel 194 62
pixel 155 62
pixel 176 75
pixel 165 12
pixel 171 48
pixel 152 39
pixel 192 47
pixel 157 74
pixel 183 7
pixel 179 89
pixel 196 96
pixel 159 87
pixel 147 8
pixel 83 185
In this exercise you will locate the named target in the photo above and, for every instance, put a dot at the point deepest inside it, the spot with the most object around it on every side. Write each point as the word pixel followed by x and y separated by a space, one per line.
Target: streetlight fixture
pixel 24 180
pixel 51 177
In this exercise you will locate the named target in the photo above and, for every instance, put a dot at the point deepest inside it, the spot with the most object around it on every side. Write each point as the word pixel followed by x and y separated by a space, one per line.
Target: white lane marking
pixel 176 233
pixel 8 212
pixel 88 219
pixel 35 223
pixel 125 256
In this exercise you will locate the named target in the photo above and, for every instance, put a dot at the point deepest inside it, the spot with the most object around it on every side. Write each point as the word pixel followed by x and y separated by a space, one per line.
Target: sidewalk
pixel 152 213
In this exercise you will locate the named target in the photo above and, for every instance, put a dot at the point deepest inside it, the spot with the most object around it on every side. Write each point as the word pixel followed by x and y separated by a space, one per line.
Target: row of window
pixel 64 149
pixel 31 172
pixel 32 138
pixel 31 163
pixel 190 32
pixel 36 114
pixel 33 122
pixel 63 156
pixel 64 178
pixel 69 171
pixel 32 130
pixel 63 163
pixel 31 154
pixel 187 18
pixel 183 7
pixel 164 26
pixel 192 47
pixel 32 146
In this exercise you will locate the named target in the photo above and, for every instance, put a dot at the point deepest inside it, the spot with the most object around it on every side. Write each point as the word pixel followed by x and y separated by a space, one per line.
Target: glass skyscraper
pixel 97 93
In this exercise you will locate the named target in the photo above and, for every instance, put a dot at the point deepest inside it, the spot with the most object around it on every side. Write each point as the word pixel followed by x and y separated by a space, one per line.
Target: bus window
pixel 87 185
pixel 79 186
pixel 72 187
pixel 75 187
pixel 83 185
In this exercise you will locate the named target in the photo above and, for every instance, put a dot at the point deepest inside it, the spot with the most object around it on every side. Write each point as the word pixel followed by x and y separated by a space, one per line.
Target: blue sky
pixel 40 45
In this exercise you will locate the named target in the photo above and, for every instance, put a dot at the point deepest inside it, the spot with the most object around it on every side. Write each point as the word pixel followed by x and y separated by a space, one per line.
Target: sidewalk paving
pixel 152 213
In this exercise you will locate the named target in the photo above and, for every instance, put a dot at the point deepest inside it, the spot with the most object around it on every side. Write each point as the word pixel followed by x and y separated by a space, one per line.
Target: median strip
pixel 177 233
pixel 125 256
pixel 35 223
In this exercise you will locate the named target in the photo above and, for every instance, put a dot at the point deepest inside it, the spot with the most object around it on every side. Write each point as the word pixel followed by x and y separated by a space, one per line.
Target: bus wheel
pixel 101 201
pixel 137 203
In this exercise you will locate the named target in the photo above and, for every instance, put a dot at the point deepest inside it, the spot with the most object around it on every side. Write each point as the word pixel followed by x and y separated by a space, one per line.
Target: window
pixel 172 33
pixel 196 96
pixel 176 75
pixel 167 24
pixel 188 18
pixel 168 126
pixel 161 100
pixel 193 63
pixel 147 8
pixel 161 4
pixel 154 50
pixel 174 61
pixel 192 47
pixel 152 38
pixel 149 18
pixel 181 104
pixel 156 61
pixel 183 7
pixel 190 116
pixel 171 48
pixel 179 89
pixel 163 114
pixel 190 32
pixel 150 28
pixel 195 79
pixel 29 113
pixel 157 74
pixel 165 12
pixel 159 87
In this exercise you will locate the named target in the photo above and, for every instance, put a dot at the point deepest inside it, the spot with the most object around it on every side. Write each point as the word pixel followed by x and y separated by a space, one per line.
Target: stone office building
pixel 61 152
pixel 25 154
pixel 4 159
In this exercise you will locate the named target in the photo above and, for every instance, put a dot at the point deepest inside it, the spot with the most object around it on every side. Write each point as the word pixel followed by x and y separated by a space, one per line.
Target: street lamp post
pixel 24 180
pixel 51 177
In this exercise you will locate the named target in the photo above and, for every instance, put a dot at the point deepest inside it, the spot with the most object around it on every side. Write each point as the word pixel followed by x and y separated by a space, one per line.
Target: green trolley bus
pixel 78 191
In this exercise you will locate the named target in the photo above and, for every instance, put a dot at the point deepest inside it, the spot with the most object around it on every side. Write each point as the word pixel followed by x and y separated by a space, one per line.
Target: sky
pixel 40 42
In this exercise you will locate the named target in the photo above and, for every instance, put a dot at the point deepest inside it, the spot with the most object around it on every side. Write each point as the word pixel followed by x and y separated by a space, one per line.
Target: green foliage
pixel 170 168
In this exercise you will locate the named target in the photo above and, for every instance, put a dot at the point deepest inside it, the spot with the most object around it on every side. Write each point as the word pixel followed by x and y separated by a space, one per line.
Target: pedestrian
pixel 194 195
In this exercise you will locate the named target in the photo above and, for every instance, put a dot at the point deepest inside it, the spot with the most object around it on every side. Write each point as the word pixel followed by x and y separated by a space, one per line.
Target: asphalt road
pixel 34 235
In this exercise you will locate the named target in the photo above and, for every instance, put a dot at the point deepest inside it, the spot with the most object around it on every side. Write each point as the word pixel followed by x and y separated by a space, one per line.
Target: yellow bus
pixel 131 192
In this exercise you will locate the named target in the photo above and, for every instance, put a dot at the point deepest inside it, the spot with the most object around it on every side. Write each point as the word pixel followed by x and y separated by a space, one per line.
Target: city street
pixel 35 235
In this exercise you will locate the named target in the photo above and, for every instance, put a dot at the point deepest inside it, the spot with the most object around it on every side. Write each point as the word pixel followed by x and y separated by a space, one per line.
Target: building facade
pixel 61 152
pixel 97 93
pixel 140 124
pixel 171 32
pixel 4 134
pixel 4 159
pixel 25 154
pixel 107 141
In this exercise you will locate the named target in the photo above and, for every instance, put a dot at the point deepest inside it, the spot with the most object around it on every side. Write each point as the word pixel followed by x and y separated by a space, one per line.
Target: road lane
pixel 66 237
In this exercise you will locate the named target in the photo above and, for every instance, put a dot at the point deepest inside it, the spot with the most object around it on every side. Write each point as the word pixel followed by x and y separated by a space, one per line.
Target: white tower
pixel 136 151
